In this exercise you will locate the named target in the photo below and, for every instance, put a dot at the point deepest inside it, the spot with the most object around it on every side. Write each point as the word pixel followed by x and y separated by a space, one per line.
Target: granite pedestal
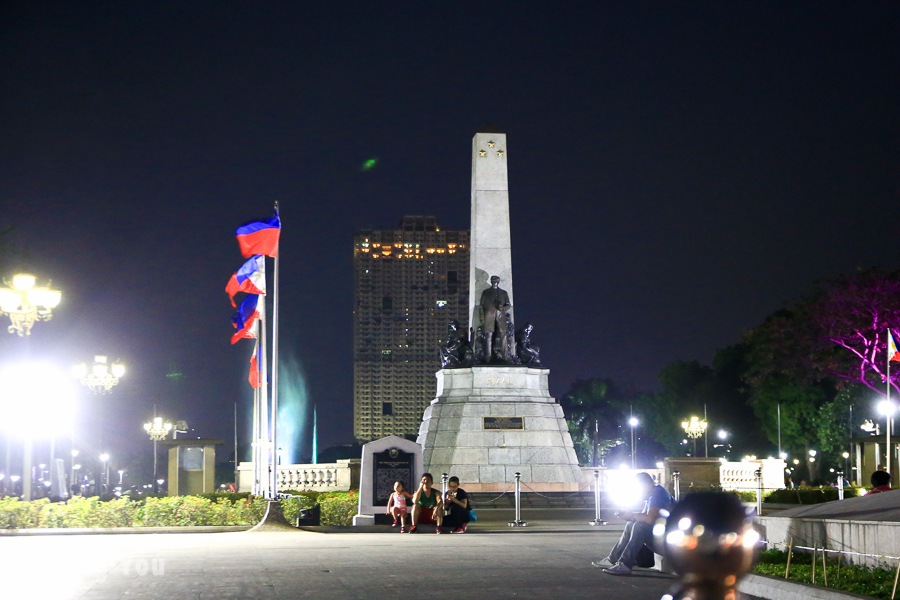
pixel 489 422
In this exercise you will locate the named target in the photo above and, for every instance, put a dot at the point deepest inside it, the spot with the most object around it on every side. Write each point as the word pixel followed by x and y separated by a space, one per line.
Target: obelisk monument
pixel 490 244
pixel 493 416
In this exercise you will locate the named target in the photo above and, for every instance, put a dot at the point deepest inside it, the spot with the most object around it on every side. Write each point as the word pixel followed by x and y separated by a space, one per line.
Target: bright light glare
pixel 624 490
pixel 23 282
pixel 633 421
pixel 886 408
pixel 36 399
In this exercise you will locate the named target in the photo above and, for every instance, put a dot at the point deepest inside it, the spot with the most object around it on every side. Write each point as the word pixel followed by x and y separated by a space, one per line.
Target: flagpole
pixel 254 432
pixel 275 367
pixel 265 454
pixel 889 411
pixel 315 440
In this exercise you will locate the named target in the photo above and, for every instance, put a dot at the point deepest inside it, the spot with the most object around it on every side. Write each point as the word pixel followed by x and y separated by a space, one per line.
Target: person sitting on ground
pixel 457 503
pixel 427 505
pixel 881 482
pixel 639 529
pixel 397 505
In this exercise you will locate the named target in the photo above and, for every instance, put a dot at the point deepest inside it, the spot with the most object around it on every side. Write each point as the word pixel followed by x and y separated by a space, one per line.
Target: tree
pixel 818 356
pixel 593 417
pixel 838 330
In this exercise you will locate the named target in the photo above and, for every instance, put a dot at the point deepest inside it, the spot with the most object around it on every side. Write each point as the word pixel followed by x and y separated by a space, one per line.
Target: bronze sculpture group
pixel 495 340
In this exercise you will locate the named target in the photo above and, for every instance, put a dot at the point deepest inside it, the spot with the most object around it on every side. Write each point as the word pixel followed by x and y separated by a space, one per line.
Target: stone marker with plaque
pixel 385 461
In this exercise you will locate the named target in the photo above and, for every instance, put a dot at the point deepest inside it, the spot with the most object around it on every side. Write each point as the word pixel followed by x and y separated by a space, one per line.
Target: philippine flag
pixel 892 348
pixel 260 237
pixel 255 379
pixel 250 278
pixel 245 317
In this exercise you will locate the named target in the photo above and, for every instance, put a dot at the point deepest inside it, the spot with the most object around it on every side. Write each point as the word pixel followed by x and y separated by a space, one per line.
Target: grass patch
pixel 874 582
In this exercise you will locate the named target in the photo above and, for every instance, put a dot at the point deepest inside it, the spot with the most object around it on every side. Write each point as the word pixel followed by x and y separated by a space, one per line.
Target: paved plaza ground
pixel 548 559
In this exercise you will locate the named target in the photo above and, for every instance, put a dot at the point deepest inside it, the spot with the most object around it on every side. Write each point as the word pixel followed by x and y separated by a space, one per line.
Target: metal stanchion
pixel 518 522
pixel 444 478
pixel 597 520
pixel 676 485
pixel 840 483
pixel 759 492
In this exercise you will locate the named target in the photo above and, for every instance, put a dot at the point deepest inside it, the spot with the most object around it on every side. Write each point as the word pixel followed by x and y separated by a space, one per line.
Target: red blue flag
pixel 260 237
pixel 255 379
pixel 245 317
pixel 250 278
pixel 892 348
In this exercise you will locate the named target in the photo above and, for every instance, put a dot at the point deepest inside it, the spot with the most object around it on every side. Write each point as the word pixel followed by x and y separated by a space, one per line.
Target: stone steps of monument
pixel 533 499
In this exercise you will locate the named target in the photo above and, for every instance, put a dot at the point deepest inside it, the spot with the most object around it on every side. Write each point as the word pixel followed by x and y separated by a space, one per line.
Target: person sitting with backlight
pixel 639 529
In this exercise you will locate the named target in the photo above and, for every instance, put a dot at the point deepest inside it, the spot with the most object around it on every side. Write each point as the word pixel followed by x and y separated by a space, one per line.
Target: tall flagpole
pixel 274 483
pixel 254 432
pixel 265 453
pixel 889 411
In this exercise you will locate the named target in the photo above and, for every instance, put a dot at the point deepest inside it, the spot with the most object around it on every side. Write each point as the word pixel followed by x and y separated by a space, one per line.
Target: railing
pixel 742 476
pixel 324 477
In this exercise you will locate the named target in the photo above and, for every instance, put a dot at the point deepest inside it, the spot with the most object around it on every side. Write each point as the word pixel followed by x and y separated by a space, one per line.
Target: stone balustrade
pixel 741 476
pixel 338 476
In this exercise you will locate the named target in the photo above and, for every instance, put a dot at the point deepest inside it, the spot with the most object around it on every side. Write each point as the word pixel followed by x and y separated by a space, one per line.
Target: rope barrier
pixel 498 497
pixel 552 497
pixel 847 552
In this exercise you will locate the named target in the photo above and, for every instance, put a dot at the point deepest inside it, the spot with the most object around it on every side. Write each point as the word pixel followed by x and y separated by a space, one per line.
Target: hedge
pixel 338 508
pixel 809 495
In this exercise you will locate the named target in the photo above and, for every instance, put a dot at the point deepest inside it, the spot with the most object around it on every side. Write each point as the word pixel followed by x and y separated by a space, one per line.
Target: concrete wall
pixel 880 538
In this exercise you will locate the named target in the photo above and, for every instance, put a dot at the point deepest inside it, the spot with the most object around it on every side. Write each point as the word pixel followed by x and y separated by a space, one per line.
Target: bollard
pixel 597 520
pixel 840 483
pixel 759 492
pixel 518 522
pixel 676 485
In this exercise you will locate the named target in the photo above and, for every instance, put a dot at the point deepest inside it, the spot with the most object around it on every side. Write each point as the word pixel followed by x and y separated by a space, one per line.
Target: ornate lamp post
pixel 25 303
pixel 694 429
pixel 157 430
pixel 101 379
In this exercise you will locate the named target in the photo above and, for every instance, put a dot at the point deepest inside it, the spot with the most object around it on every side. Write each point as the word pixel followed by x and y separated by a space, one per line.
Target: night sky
pixel 677 172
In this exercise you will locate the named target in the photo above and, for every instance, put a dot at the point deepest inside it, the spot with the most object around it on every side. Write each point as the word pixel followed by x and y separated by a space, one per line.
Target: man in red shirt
pixel 881 482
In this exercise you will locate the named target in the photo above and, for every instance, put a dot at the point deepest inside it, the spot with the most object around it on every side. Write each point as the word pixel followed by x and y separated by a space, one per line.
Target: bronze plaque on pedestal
pixel 503 423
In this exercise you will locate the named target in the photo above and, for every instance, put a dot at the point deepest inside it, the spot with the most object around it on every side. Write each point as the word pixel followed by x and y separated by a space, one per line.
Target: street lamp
pixel 694 429
pixel 101 379
pixel 723 438
pixel 633 422
pixel 25 303
pixel 157 430
pixel 36 400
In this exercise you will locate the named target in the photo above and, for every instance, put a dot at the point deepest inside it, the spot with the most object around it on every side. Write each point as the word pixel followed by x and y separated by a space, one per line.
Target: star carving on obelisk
pixel 482 152
pixel 491 144
pixel 499 152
